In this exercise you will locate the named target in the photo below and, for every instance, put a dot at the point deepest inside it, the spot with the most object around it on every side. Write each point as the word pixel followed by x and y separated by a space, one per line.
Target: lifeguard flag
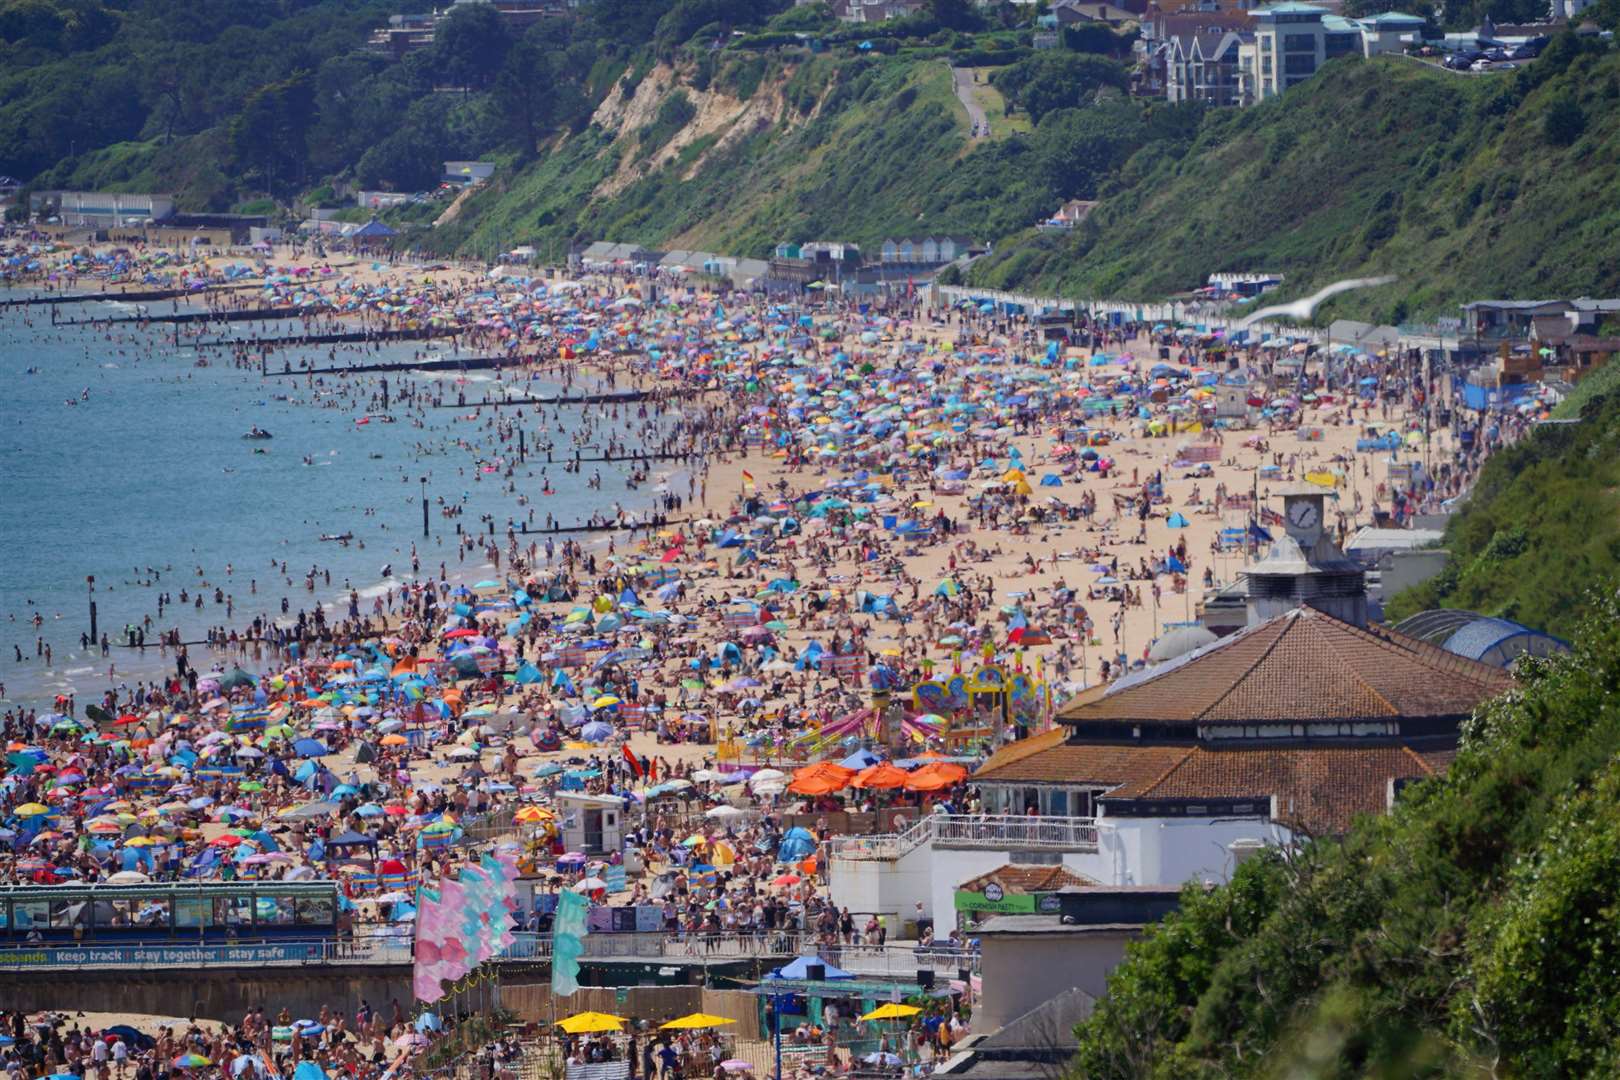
pixel 748 478
pixel 652 769
pixel 635 762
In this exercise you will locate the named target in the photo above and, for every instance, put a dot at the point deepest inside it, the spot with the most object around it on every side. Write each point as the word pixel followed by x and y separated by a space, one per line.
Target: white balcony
pixel 989 832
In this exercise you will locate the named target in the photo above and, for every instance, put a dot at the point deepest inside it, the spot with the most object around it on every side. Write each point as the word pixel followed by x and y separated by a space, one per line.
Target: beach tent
pixel 799 968
pixel 796 844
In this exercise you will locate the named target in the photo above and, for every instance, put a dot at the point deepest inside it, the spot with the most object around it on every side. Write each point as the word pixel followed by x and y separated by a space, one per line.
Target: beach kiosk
pixel 593 824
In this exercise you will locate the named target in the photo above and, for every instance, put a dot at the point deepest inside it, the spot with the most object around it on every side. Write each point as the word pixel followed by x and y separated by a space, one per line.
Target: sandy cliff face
pixel 717 113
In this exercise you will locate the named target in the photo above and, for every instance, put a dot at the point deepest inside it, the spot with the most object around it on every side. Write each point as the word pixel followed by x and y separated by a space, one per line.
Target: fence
pixel 1011 831
pixel 533 1002
pixel 1200 313
pixel 667 946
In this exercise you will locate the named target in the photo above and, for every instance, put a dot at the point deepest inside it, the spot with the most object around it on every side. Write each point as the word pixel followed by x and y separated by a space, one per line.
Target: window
pixel 1299 65
pixel 29 914
pixel 153 914
pixel 316 911
pixel 65 914
pixel 233 911
pixel 275 910
pixel 1341 44
pixel 192 911
pixel 1299 43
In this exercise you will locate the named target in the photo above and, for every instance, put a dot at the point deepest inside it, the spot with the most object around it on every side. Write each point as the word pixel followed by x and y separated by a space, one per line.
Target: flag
pixel 635 763
pixel 568 942
pixel 652 769
pixel 748 478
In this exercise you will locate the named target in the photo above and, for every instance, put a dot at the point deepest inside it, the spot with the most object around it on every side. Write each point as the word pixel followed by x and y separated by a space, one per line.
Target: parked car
pixel 1481 64
pixel 1497 55
pixel 1527 51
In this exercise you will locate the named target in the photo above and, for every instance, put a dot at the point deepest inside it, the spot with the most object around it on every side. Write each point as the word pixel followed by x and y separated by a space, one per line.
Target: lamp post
pixel 424 508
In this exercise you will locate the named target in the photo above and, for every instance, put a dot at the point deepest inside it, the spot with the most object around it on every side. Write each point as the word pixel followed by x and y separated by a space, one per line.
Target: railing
pixel 901 961
pixel 974 831
pixel 669 946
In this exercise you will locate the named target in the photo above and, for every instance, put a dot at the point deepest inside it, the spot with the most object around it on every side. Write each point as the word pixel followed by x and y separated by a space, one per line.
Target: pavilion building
pixel 1288 728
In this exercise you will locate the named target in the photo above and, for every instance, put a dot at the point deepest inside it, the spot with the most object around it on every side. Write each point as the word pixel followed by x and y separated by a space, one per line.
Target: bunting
pixel 464 922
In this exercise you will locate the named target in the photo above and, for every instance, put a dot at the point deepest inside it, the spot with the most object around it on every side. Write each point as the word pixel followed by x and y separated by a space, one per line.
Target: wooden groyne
pixel 133 296
pixel 185 317
pixel 358 337
pixel 462 363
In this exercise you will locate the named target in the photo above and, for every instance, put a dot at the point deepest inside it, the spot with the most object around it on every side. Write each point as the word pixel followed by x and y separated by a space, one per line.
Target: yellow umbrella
pixel 530 814
pixel 695 1021
pixel 31 809
pixel 892 1011
pixel 582 1023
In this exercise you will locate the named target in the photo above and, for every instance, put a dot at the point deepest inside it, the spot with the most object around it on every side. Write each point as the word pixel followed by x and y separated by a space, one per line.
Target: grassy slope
pixel 1382 166
pixel 1476 922
pixel 861 149
pixel 1541 525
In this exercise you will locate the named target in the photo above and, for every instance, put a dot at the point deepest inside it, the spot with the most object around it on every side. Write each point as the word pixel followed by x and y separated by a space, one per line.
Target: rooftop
pixel 1301 666
pixel 1029 879
pixel 1290 9
pixel 1320 786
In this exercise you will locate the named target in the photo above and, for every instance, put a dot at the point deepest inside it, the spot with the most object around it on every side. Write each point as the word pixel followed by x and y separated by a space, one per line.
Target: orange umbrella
pixel 882 776
pixel 936 776
pixel 822 778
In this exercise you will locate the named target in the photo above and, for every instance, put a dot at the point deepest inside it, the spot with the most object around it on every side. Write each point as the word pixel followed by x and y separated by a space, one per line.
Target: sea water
pixel 121 457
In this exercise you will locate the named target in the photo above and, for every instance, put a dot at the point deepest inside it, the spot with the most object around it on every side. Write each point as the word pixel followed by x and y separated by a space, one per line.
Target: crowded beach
pixel 881 540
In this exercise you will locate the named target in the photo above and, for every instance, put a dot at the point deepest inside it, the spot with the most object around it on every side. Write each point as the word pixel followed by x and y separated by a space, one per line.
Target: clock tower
pixel 1304 567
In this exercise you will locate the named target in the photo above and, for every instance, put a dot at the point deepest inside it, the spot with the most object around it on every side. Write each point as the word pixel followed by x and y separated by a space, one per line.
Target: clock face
pixel 1303 514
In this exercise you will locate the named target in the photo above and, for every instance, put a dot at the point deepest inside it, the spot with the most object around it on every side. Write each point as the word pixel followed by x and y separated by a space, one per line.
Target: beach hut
pixel 593 824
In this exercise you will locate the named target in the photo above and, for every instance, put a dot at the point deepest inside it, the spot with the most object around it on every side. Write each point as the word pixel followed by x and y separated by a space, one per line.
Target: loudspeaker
pixel 815 971
pixel 925 978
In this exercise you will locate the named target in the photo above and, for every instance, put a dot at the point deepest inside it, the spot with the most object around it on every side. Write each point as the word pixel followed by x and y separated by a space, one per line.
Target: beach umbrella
pixel 696 1022
pixel 892 1011
pixel 587 1022
pixel 191 1061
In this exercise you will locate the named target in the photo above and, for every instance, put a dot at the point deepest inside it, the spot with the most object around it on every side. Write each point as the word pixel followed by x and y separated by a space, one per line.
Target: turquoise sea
pixel 120 457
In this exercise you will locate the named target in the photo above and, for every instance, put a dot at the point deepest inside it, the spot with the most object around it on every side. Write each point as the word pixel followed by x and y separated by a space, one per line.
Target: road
pixel 963 79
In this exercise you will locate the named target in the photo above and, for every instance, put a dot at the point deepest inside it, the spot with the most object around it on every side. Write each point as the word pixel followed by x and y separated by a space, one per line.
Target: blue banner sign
pixel 291 952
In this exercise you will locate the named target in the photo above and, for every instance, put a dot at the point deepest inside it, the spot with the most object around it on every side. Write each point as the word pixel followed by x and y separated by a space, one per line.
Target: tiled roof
pixel 1028 879
pixel 1320 789
pixel 1048 757
pixel 1301 666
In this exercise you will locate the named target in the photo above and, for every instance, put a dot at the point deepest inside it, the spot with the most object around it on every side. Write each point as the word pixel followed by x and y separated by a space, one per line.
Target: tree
pixel 1055 80
pixel 955 14
pixel 1565 120
pixel 471 44
pixel 271 129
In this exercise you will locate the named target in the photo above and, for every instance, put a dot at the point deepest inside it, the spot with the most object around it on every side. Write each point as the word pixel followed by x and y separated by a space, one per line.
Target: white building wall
pixel 1130 851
